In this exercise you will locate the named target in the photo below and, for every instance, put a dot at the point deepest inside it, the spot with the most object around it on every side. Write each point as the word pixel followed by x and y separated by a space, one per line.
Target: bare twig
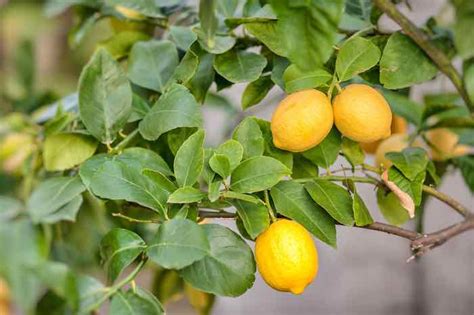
pixel 438 56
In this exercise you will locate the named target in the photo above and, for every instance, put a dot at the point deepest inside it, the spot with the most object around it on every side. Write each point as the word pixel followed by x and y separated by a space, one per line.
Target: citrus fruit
pixel 302 120
pixel 15 148
pixel 444 144
pixel 286 256
pixel 362 114
pixel 394 143
pixel 399 125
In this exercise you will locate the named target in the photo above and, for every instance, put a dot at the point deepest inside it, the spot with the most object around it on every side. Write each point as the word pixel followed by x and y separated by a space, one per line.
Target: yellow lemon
pixel 399 125
pixel 286 256
pixel 394 143
pixel 362 114
pixel 302 120
pixel 444 144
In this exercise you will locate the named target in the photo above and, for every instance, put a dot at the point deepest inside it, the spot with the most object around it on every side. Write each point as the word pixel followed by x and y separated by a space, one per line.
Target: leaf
pixel 208 19
pixel 68 212
pixel 284 157
pixel 325 153
pixel 333 198
pixel 182 36
pixel 91 291
pixel 105 97
pixel 297 79
pixel 411 161
pixel 139 108
pixel 466 164
pixel 178 243
pixel 355 56
pixel 352 152
pixel 202 302
pixel 303 168
pixel 229 267
pixel 292 201
pixel 254 216
pixel 204 76
pixel 167 285
pixel 257 173
pixel 135 302
pixel 406 201
pixel 392 210
pixel 279 66
pixel 152 63
pixel 120 44
pixel 186 195
pixel 51 195
pixel 221 44
pixel 267 33
pixel 307 30
pixel 361 213
pixel 220 164
pixel 463 25
pixel 403 63
pixel 9 208
pixel 189 160
pixel 118 249
pixel 63 151
pixel 175 108
pixel 233 150
pixel 240 66
pixel 143 7
pixel 403 106
pixel 239 196
pixel 185 70
pixel 256 91
pixel 249 135
pixel 359 8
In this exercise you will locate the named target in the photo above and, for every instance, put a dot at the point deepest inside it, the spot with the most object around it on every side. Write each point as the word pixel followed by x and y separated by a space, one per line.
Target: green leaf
pixel 220 164
pixel 51 195
pixel 175 108
pixel 189 160
pixel 361 213
pixel 466 164
pixel 204 76
pixel 469 78
pixel 227 7
pixel 143 7
pixel 220 45
pixel 68 212
pixel 267 33
pixel 120 44
pixel 9 208
pixel 333 198
pixel 292 201
pixel 355 56
pixel 229 267
pixel 403 63
pixel 249 135
pixel 178 243
pixel 185 70
pixel 256 91
pixel 352 152
pixel 284 157
pixel 325 153
pixel 403 106
pixel 105 97
pixel 135 302
pixel 411 161
pixel 240 66
pixel 239 196
pixel 233 150
pixel 254 216
pixel 391 208
pixel 118 249
pixel 63 151
pixel 186 195
pixel 359 8
pixel 208 19
pixel 257 173
pixel 411 187
pixel 463 26
pixel 182 36
pixel 297 79
pixel 279 66
pixel 303 168
pixel 139 108
pixel 152 63
pixel 307 30
pixel 167 285
pixel 91 291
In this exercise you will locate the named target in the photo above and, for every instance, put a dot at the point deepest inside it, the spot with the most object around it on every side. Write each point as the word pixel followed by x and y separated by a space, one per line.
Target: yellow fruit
pixel 4 298
pixel 394 143
pixel 286 256
pixel 302 120
pixel 444 144
pixel 362 114
pixel 129 13
pixel 399 125
pixel 15 148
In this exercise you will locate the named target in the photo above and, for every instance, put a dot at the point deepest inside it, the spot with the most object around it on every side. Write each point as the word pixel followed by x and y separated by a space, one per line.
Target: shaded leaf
pixel 391 209
pixel 254 217
pixel 325 153
pixel 249 135
pixel 240 66
pixel 135 301
pixel 189 160
pixel 256 91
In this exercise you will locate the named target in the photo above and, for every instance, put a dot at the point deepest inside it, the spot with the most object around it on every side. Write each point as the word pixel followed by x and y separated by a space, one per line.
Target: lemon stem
pixel 271 212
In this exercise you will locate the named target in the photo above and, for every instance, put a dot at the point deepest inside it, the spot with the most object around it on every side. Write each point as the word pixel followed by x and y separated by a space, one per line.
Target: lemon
pixel 444 144
pixel 362 114
pixel 15 148
pixel 286 256
pixel 399 125
pixel 394 143
pixel 302 120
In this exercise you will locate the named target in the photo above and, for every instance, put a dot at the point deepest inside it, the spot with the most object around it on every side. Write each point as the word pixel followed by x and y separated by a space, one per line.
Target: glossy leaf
pixel 254 216
pixel 250 136
pixel 135 302
pixel 220 164
pixel 325 153
pixel 292 201
pixel 68 212
pixel 403 106
pixel 178 243
pixel 204 76
pixel 256 91
pixel 182 36
pixel 355 56
pixel 189 160
pixel 186 195
pixel 91 292
pixel 229 267
pixel 391 208
pixel 411 161
pixel 240 66
pixel 361 213
pixel 9 207
pixel 208 19
pixel 352 152
pixel 297 79
pixel 233 150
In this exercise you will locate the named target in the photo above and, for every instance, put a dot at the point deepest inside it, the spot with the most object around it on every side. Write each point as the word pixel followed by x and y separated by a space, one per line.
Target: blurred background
pixel 366 275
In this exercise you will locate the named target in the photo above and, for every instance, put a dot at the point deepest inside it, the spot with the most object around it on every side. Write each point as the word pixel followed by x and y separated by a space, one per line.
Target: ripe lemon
pixel 302 120
pixel 362 114
pixel 286 256
pixel 394 143
pixel 399 125
pixel 444 144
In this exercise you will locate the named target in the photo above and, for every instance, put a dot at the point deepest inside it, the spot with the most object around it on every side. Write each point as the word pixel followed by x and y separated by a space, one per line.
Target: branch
pixel 453 203
pixel 439 57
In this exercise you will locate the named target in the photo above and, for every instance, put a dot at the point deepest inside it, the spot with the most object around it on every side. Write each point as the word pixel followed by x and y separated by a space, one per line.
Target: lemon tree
pixel 124 176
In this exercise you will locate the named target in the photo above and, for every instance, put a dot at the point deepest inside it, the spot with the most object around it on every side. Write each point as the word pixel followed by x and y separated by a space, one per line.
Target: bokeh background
pixel 367 274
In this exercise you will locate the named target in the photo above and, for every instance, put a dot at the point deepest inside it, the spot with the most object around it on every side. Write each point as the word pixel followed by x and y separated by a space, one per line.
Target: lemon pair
pixel 303 119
